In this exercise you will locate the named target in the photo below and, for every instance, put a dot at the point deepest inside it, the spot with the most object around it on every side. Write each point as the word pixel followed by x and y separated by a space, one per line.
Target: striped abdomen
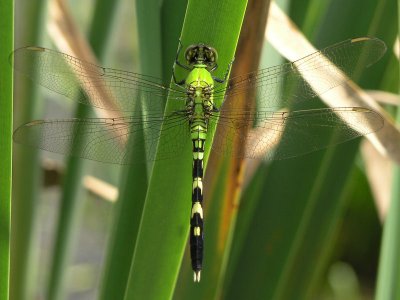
pixel 198 133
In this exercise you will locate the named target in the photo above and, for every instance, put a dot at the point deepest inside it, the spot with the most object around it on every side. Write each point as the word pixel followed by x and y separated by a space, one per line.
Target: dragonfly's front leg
pixel 219 80
pixel 177 62
pixel 177 58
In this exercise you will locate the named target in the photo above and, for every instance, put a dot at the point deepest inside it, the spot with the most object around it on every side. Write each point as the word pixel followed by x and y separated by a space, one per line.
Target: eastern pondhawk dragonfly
pixel 200 100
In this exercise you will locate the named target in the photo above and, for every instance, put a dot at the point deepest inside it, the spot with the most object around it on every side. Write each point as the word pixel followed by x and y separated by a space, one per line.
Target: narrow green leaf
pixel 71 204
pixel 389 261
pixel 165 223
pixel 157 37
pixel 224 174
pixel 6 112
pixel 66 227
pixel 26 171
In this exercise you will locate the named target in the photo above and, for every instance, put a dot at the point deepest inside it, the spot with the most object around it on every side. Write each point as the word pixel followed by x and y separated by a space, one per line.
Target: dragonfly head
pixel 201 54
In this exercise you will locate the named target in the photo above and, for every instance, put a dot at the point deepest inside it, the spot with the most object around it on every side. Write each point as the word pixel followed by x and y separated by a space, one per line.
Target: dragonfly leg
pixel 226 73
pixel 178 63
pixel 178 83
pixel 214 68
pixel 214 108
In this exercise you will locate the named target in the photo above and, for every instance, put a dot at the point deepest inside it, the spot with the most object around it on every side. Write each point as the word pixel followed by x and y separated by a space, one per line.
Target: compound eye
pixel 191 54
pixel 211 56
pixel 201 53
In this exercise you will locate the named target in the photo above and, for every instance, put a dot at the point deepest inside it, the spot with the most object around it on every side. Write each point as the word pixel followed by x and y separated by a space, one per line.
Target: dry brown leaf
pixel 69 39
pixel 101 188
pixel 379 174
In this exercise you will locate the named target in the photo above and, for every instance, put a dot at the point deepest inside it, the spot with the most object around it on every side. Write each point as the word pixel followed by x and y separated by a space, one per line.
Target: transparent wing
pixel 280 135
pixel 91 84
pixel 110 140
pixel 274 85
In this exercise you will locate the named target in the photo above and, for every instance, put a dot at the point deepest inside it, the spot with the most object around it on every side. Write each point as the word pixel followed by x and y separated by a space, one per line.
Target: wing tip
pixel 360 39
pixel 20 53
pixel 35 48
pixel 30 48
pixel 378 47
pixel 19 132
pixel 34 122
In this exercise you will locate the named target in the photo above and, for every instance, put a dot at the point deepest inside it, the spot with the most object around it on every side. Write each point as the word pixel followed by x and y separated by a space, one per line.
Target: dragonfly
pixel 197 103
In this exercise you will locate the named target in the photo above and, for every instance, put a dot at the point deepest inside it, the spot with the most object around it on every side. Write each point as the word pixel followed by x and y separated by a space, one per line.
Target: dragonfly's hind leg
pixel 226 73
pixel 215 109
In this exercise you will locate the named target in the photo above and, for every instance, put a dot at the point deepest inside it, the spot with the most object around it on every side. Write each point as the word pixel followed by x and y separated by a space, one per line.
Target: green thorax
pixel 199 84
pixel 202 60
pixel 199 77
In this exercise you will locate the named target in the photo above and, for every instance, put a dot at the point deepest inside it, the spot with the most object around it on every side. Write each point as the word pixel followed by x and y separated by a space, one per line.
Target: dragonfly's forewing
pixel 275 85
pixel 280 135
pixel 94 85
